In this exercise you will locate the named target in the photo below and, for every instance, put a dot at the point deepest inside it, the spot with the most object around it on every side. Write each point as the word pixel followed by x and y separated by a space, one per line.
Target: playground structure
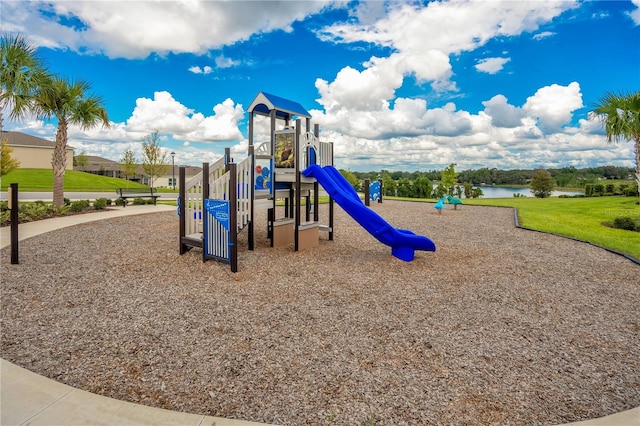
pixel 214 210
pixel 221 201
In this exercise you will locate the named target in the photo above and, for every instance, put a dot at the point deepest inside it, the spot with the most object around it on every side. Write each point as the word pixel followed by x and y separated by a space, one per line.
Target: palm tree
pixel 22 76
pixel 69 103
pixel 27 88
pixel 620 115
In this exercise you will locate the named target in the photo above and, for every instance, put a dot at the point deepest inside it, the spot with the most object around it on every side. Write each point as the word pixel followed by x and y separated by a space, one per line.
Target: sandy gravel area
pixel 499 326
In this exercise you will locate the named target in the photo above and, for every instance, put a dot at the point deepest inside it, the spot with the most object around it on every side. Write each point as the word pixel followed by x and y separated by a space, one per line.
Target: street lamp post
pixel 173 169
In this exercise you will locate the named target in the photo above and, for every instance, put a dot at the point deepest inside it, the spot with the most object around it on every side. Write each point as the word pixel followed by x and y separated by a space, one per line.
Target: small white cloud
pixel 223 62
pixel 542 35
pixel 491 65
pixel 204 70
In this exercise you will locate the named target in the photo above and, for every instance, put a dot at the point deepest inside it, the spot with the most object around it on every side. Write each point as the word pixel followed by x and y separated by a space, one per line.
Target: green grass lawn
pixel 36 180
pixel 580 218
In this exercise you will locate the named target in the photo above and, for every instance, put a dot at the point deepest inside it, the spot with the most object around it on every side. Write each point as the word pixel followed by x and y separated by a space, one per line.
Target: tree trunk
pixel 59 163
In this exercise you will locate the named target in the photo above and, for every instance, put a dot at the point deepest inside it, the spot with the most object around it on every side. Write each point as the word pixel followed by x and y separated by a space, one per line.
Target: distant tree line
pixel 436 183
pixel 563 177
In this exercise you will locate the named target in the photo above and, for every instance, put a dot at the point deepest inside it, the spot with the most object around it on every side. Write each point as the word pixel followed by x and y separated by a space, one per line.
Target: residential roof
pixel 285 109
pixel 23 139
pixel 98 163
pixel 95 163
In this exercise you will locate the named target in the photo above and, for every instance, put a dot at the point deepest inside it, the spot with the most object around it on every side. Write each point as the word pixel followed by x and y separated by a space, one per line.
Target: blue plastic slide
pixel 403 243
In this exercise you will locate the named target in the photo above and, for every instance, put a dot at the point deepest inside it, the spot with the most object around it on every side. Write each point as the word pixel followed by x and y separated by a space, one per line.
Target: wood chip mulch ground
pixel 499 326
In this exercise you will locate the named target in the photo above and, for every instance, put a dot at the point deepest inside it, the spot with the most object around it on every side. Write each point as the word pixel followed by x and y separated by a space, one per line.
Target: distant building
pixel 33 152
pixel 105 167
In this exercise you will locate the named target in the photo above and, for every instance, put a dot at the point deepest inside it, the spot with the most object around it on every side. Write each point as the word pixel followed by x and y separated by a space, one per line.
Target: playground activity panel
pixel 221 201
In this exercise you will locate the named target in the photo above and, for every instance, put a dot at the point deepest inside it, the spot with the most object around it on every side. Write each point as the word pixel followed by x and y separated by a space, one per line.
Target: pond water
pixel 507 192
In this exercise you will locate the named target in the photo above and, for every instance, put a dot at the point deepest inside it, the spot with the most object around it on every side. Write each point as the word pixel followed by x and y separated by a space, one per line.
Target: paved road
pixel 48 196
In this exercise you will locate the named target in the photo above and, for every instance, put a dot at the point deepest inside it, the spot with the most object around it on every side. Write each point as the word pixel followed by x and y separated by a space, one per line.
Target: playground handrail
pixel 194 197
pixel 218 190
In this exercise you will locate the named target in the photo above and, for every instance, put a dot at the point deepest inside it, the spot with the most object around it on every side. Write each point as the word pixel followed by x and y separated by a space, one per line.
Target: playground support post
pixel 13 206
pixel 316 187
pixel 205 195
pixel 250 240
pixel 233 217
pixel 182 210
pixel 298 187
pixel 380 198
pixel 367 192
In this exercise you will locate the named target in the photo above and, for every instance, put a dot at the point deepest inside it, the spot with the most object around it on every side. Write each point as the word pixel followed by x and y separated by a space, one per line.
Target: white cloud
pixel 407 135
pixel 222 126
pixel 553 105
pixel 491 65
pixel 635 13
pixel 135 29
pixel 166 115
pixel 224 62
pixel 543 35
pixel 502 114
pixel 204 70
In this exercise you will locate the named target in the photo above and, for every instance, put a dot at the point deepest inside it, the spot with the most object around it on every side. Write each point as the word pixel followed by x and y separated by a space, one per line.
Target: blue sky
pixel 395 85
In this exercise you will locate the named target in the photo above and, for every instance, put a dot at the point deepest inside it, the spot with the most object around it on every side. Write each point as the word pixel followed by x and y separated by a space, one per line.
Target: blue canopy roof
pixel 285 109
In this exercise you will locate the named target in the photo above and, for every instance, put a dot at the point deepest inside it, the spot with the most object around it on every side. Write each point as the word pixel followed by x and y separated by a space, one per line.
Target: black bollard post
pixel 13 217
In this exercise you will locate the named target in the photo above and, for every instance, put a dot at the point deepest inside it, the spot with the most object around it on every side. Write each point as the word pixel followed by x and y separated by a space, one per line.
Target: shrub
pixel 627 223
pixel 120 202
pixel 598 189
pixel 80 205
pixel 631 191
pixel 100 204
pixel 27 211
pixel 139 201
pixel 609 188
pixel 588 190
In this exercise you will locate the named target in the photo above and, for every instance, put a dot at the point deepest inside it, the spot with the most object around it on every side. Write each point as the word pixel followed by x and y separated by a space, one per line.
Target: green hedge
pixel 599 190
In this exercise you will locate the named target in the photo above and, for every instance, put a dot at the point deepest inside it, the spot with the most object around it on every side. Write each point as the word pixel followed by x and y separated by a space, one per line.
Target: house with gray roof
pixel 33 152
pixel 105 167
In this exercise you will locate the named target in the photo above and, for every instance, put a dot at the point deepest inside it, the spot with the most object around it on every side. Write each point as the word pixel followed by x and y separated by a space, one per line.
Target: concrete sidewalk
pixel 31 229
pixel 27 398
